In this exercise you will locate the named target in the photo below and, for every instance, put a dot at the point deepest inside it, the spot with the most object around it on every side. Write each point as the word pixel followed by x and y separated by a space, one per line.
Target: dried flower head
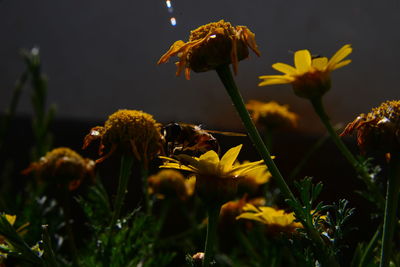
pixel 216 179
pixel 212 45
pixel 171 183
pixel 272 115
pixel 379 130
pixel 310 77
pixel 63 167
pixel 277 221
pixel 131 131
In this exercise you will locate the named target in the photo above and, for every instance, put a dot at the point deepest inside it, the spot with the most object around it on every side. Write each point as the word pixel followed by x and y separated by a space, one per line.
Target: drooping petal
pixel 285 68
pixel 339 55
pixel 173 50
pixel 302 60
pixel 230 157
pixel 320 63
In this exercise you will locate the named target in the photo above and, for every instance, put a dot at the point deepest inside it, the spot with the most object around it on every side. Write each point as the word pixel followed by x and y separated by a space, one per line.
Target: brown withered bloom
pixel 379 130
pixel 64 167
pixel 129 131
pixel 170 183
pixel 212 45
pixel 272 115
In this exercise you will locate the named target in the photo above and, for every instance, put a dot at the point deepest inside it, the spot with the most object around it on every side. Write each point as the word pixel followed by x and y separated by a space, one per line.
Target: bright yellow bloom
pixel 271 114
pixel 131 131
pixel 217 178
pixel 212 45
pixel 310 77
pixel 379 130
pixel 276 220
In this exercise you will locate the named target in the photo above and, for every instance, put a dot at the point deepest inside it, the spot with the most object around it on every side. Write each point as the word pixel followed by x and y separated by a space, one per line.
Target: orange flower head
pixel 212 45
pixel 171 183
pixel 379 130
pixel 132 132
pixel 63 167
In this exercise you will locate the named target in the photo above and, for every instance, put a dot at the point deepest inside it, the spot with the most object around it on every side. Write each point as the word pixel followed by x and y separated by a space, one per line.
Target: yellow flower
pixel 63 167
pixel 271 114
pixel 310 77
pixel 216 179
pixel 276 220
pixel 253 179
pixel 131 131
pixel 379 130
pixel 171 183
pixel 210 46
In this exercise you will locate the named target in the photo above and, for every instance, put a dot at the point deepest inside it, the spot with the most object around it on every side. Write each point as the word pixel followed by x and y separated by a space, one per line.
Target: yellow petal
pixel 339 55
pixel 11 218
pixel 320 63
pixel 210 157
pixel 274 81
pixel 230 157
pixel 302 60
pixel 341 64
pixel 250 216
pixel 178 166
pixel 285 68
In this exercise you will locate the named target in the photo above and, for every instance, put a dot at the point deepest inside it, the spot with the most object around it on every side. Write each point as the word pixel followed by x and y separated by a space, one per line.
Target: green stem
pixel 367 255
pixel 213 214
pixel 392 195
pixel 225 75
pixel 124 174
pixel 361 170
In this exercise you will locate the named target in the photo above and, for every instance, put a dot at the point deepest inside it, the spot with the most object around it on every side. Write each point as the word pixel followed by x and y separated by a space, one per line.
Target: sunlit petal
pixel 274 81
pixel 302 60
pixel 229 157
pixel 340 55
pixel 320 63
pixel 285 68
pixel 341 64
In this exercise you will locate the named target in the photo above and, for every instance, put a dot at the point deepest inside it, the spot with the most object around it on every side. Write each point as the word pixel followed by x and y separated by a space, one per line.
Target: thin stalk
pixel 306 157
pixel 370 248
pixel 124 175
pixel 213 214
pixel 225 75
pixel 363 173
pixel 392 197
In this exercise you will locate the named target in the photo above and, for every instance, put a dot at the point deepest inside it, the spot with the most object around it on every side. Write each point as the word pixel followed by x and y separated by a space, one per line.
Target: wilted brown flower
pixel 379 130
pixel 63 167
pixel 212 45
pixel 171 183
pixel 271 114
pixel 131 131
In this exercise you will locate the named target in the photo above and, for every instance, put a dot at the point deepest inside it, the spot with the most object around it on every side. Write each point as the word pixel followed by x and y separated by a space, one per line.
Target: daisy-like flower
pixel 129 131
pixel 271 114
pixel 277 220
pixel 253 179
pixel 63 167
pixel 216 179
pixel 379 130
pixel 212 45
pixel 310 77
pixel 171 183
